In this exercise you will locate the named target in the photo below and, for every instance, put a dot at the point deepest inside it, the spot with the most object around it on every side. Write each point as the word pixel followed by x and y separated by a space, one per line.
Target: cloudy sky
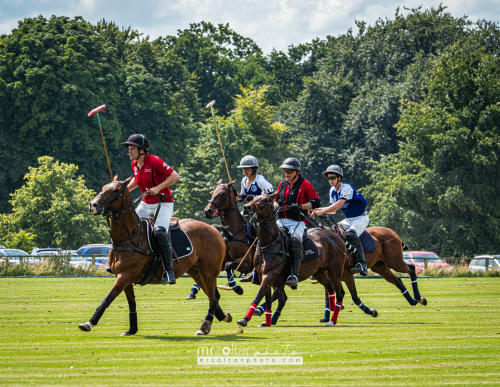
pixel 271 23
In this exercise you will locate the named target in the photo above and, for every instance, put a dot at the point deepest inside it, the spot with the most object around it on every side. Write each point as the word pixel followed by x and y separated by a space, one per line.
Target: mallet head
pixel 211 104
pixel 98 109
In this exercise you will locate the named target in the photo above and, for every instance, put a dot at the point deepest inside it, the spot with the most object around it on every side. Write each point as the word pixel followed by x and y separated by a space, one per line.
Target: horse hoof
pixel 199 332
pixel 128 333
pixel 330 324
pixel 322 321
pixel 242 323
pixel 257 313
pixel 263 325
pixel 228 318
pixel 422 301
pixel 274 322
pixel 374 313
pixel 86 327
pixel 238 290
pixel 191 296
pixel 342 307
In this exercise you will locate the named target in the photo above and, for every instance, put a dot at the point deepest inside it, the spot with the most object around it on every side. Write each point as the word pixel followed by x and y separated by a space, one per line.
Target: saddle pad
pixel 367 242
pixel 181 243
pixel 310 251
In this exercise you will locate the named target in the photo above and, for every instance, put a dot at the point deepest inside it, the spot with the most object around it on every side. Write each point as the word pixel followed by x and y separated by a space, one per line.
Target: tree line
pixel 409 107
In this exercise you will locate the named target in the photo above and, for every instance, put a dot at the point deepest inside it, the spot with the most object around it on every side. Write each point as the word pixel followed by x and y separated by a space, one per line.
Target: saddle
pixel 367 241
pixel 310 251
pixel 179 241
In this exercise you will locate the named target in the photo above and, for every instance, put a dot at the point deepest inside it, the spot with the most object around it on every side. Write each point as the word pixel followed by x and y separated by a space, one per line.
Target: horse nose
pixel 209 213
pixel 93 206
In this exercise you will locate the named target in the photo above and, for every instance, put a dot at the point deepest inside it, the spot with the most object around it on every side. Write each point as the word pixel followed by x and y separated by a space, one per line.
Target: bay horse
pixel 239 242
pixel 387 255
pixel 273 271
pixel 131 256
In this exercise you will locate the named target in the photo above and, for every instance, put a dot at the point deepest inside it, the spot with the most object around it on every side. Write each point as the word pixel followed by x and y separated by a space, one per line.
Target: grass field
pixel 454 340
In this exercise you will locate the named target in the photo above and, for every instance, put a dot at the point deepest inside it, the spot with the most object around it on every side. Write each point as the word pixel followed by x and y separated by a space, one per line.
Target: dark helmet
pixel 137 140
pixel 291 163
pixel 248 162
pixel 333 169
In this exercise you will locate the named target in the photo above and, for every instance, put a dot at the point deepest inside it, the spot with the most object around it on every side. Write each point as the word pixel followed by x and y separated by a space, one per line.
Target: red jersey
pixel 301 192
pixel 153 172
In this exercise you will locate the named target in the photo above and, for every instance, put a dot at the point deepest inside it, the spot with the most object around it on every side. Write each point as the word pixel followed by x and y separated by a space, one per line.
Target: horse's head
pixel 111 196
pixel 221 199
pixel 261 207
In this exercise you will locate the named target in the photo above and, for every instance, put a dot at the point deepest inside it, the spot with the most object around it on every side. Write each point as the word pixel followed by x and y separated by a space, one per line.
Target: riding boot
pixel 361 268
pixel 165 250
pixel 248 278
pixel 296 258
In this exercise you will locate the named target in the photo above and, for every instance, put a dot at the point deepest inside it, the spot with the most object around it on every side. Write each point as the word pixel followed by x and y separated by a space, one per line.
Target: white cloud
pixel 271 23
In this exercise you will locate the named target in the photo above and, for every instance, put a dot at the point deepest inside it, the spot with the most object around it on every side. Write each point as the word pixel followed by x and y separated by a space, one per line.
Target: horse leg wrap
pixel 409 298
pixel 132 318
pixel 414 285
pixel 231 283
pixel 209 317
pixel 269 313
pixel 219 313
pixel 363 307
pixel 251 311
pixel 276 316
pixel 262 308
pixel 331 301
pixel 327 315
pixel 195 289
pixel 100 310
pixel 335 316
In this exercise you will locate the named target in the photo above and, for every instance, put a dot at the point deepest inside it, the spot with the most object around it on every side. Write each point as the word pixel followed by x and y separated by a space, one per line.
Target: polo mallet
pixel 210 105
pixel 91 113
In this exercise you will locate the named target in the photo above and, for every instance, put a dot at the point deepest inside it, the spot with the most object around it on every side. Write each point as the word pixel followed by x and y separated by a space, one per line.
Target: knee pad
pixel 351 236
pixel 296 243
pixel 161 238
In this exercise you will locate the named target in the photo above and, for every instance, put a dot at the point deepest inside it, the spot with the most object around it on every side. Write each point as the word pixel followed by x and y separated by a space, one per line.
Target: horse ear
pixel 116 177
pixel 274 194
pixel 230 184
pixel 126 182
pixel 220 182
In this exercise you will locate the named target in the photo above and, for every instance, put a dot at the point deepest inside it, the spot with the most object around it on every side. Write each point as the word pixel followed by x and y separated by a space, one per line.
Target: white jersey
pixel 259 186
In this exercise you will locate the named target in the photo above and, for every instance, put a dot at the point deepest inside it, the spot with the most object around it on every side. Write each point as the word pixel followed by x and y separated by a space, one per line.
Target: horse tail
pixel 224 232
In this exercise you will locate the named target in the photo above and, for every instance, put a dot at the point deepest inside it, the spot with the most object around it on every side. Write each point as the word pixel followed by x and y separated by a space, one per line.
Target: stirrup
pixel 292 281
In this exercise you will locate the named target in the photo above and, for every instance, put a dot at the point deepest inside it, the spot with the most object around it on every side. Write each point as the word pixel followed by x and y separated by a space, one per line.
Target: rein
pixel 222 213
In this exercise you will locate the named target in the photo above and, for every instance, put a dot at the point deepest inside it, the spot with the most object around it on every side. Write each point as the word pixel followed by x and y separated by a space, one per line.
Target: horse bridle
pixel 219 206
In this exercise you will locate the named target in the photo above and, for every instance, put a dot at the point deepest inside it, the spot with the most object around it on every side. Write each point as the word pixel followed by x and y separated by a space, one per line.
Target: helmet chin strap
pixel 140 154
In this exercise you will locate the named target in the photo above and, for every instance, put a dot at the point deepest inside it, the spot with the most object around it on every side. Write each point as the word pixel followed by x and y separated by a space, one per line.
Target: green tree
pixel 440 191
pixel 53 204
pixel 53 72
pixel 248 130
pixel 348 107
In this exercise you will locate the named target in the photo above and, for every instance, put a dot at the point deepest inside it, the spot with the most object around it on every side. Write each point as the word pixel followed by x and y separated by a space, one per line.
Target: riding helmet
pixel 333 169
pixel 248 162
pixel 291 163
pixel 137 140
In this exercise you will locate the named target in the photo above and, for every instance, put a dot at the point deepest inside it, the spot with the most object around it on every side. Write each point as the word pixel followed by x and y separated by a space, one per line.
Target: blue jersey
pixel 260 185
pixel 355 202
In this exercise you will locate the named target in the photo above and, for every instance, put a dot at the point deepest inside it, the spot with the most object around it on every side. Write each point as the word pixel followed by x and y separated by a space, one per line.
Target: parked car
pixel 77 261
pixel 46 251
pixel 87 250
pixel 417 258
pixel 479 263
pixel 11 256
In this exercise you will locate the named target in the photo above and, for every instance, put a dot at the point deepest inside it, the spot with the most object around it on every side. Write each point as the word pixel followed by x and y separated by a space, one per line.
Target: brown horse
pixel 239 243
pixel 131 257
pixel 273 271
pixel 387 255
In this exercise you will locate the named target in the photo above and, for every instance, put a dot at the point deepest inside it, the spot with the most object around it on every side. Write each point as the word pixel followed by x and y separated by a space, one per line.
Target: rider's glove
pixel 295 205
